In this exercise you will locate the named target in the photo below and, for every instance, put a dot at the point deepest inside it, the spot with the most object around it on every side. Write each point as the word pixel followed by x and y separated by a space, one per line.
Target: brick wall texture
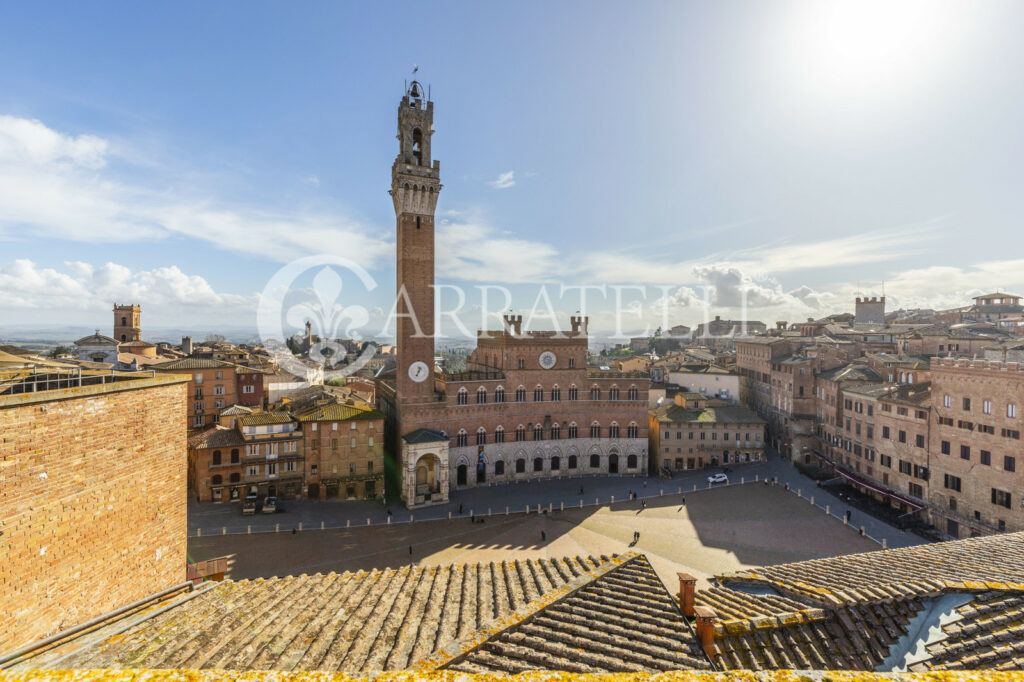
pixel 92 504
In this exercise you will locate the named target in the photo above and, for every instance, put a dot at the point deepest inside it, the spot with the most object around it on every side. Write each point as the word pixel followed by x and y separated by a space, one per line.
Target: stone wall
pixel 92 507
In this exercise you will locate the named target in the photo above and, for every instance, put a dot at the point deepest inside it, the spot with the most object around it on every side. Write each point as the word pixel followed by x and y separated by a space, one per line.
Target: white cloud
pixel 84 287
pixel 31 142
pixel 504 181
pixel 61 186
pixel 312 180
pixel 468 249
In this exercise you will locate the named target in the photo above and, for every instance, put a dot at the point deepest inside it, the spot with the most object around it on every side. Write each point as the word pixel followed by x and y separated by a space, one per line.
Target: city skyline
pixel 692 151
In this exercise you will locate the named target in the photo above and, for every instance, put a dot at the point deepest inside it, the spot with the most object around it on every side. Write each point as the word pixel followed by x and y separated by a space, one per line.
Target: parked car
pixel 715 479
pixel 270 505
pixel 249 505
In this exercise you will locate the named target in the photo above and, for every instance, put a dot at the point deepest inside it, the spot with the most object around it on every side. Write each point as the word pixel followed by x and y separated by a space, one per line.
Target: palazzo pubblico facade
pixel 526 407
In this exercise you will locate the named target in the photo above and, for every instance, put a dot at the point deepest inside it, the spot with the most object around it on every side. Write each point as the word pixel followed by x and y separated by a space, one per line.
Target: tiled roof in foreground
pixel 622 621
pixel 950 605
pixel 930 608
pixel 989 562
pixel 365 621
pixel 535 676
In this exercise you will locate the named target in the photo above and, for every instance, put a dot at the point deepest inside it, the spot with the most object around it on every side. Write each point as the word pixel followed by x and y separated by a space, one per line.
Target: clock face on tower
pixel 547 360
pixel 418 371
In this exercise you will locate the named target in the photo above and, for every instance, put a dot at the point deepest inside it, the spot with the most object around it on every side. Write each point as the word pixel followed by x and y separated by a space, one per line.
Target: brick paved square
pixel 715 531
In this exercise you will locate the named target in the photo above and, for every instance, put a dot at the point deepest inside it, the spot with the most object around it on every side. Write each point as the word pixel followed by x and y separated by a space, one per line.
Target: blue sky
pixel 178 154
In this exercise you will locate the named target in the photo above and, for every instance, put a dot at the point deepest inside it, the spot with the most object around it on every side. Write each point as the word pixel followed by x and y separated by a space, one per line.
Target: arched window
pixel 499 434
pixel 538 432
pixel 572 430
pixel 632 431
pixel 520 395
pixel 556 431
pixel 631 462
pixel 613 430
pixel 481 395
pixel 573 392
pixel 910 378
pixel 538 464
pixel 556 393
pixel 613 393
pixel 216 479
pixel 520 465
pixel 499 395
pixel 216 458
pixel 538 394
pixel 463 396
pixel 499 468
pixel 595 461
pixel 234 456
pixel 417 146
pixel 595 393
pixel 481 436
pixel 236 477
pixel 572 461
pixel 556 463
pixel 595 430
pixel 632 393
pixel 461 439
pixel 124 321
pixel 520 433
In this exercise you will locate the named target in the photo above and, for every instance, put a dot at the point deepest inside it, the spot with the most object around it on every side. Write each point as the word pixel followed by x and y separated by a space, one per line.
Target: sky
pixel 695 155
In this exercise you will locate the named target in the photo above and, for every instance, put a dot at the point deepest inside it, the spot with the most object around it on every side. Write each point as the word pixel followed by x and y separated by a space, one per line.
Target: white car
pixel 717 478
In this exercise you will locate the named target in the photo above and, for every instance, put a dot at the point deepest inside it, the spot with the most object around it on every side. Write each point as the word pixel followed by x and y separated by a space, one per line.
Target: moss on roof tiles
pixel 338 412
pixel 264 418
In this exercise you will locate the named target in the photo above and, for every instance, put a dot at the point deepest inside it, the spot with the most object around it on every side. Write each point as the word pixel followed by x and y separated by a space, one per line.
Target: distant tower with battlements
pixel 127 323
pixel 869 310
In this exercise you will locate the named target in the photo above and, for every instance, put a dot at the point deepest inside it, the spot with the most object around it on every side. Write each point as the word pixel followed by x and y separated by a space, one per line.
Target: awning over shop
pixel 891 494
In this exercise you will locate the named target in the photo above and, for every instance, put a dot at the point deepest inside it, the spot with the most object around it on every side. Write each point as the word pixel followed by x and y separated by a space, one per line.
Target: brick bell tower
pixel 127 323
pixel 415 184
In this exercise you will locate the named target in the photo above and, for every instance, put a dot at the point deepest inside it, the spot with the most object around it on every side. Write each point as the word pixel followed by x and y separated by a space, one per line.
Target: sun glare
pixel 868 54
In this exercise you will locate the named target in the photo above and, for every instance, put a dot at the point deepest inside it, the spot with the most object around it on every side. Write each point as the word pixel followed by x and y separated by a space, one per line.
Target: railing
pixel 52 379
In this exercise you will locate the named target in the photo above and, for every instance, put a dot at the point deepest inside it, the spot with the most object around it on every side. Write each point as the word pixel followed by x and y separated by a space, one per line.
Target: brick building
pixel 976 431
pixel 692 432
pixel 344 448
pixel 212 386
pixel 249 386
pixel 93 488
pixel 829 405
pixel 883 447
pixel 527 406
pixel 945 450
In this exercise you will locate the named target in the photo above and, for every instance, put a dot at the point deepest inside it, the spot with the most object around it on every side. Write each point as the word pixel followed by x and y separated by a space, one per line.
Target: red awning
pixel 891 494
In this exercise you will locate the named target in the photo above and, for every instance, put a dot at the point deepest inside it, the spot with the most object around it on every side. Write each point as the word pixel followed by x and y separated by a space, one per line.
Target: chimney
pixel 706 618
pixel 687 583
